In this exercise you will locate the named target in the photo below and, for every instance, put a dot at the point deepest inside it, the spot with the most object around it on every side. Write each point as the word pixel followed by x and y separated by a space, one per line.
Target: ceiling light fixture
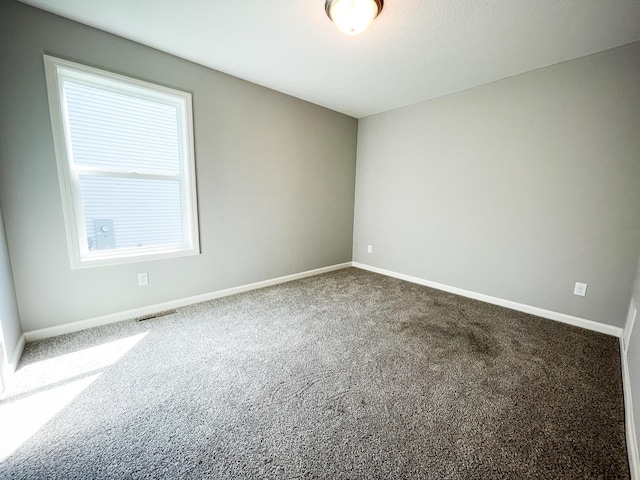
pixel 353 16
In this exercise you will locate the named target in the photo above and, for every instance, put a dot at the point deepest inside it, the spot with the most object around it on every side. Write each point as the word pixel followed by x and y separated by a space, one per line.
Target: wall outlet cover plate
pixel 580 289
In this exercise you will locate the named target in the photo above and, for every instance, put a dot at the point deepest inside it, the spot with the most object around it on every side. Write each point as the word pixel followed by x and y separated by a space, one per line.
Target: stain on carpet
pixel 474 337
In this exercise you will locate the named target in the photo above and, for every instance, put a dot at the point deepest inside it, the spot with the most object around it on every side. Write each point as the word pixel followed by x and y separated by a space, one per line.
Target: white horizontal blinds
pixel 145 213
pixel 117 130
pixel 126 155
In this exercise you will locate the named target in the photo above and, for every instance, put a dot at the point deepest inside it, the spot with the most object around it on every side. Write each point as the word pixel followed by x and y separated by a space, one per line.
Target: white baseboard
pixel 631 319
pixel 630 427
pixel 159 307
pixel 9 366
pixel 17 353
pixel 540 312
pixel 151 309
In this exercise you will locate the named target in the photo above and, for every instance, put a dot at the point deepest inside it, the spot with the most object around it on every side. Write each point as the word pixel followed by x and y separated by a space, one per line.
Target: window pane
pixel 128 213
pixel 116 130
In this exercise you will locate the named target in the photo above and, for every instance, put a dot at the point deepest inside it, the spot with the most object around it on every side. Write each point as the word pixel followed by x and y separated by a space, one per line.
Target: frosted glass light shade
pixel 353 16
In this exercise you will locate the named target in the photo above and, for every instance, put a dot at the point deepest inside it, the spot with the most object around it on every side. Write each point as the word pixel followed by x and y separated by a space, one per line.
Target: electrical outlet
pixel 369 249
pixel 580 289
pixel 143 279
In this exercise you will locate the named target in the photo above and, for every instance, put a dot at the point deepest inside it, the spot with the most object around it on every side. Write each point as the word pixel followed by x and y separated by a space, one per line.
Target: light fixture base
pixel 352 16
pixel 328 3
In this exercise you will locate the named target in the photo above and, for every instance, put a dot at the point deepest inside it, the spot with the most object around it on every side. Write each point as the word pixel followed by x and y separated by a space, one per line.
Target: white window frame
pixel 57 71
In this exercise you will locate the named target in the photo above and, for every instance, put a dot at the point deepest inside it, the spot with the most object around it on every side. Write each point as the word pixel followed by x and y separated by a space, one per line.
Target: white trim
pixel 159 307
pixel 9 367
pixel 540 312
pixel 630 427
pixel 17 353
pixel 631 319
pixel 5 369
pixel 152 309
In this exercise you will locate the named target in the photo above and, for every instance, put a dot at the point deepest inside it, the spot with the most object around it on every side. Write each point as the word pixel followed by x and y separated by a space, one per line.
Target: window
pixel 126 165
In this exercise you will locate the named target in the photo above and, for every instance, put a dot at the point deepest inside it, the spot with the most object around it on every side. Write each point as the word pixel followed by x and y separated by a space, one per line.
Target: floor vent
pixel 155 315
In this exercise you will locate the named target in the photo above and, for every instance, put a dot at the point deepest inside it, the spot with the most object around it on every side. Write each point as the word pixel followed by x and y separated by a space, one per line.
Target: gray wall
pixel 516 189
pixel 275 178
pixel 633 357
pixel 10 330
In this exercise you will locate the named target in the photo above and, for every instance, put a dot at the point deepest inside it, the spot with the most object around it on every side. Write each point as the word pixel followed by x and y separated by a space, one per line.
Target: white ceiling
pixel 414 51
